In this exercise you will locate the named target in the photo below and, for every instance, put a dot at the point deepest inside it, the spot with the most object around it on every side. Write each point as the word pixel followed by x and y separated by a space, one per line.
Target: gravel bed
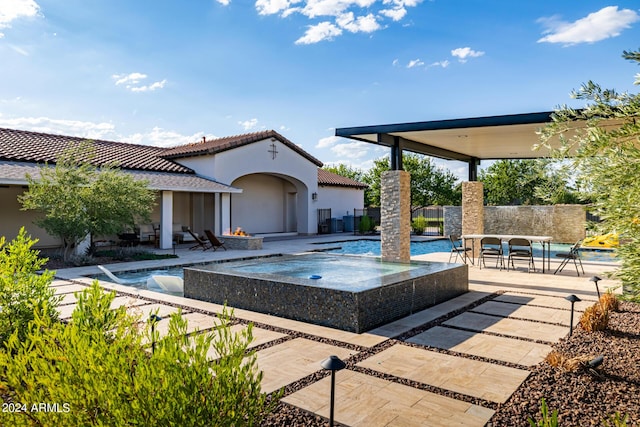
pixel 583 399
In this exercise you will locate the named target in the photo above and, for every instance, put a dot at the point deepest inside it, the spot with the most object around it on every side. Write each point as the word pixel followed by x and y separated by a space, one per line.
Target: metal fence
pixel 324 221
pixel 434 216
pixel 365 221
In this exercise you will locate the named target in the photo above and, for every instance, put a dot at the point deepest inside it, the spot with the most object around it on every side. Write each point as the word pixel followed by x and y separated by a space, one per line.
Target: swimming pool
pixel 138 279
pixel 372 248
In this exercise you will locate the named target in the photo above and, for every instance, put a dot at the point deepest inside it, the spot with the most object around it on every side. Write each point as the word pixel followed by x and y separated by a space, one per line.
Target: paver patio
pixel 499 321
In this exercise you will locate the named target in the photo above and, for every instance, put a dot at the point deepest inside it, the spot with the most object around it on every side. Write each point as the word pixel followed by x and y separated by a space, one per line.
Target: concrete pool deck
pixel 453 363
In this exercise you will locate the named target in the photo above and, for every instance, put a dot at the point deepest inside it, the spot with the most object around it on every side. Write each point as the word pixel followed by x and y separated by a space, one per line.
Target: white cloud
pixel 355 16
pixel 352 150
pixel 327 142
pixel 443 64
pixel 365 24
pixel 463 53
pixel 19 50
pixel 395 62
pixel 151 87
pixel 10 10
pixel 600 25
pixel 271 7
pixel 316 33
pixel 415 63
pixel 224 2
pixel 249 124
pixel 132 78
pixel 62 127
pixel 160 137
pixel 132 82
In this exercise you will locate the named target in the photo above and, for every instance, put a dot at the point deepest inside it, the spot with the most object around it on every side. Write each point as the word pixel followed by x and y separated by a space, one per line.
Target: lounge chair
pixel 200 243
pixel 491 247
pixel 458 248
pixel 573 254
pixel 520 249
pixel 215 243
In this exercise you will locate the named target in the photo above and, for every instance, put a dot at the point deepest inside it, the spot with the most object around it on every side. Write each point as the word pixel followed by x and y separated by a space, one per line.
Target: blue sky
pixel 168 72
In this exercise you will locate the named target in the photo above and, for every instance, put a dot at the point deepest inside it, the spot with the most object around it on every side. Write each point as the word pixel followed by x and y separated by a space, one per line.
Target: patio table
pixel 545 241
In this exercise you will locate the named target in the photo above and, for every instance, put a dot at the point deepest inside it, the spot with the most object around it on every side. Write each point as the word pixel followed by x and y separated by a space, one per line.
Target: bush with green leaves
pixel 22 291
pixel 605 163
pixel 100 371
pixel 419 224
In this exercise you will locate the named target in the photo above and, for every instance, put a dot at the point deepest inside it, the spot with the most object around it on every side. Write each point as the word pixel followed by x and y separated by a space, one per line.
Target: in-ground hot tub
pixel 353 293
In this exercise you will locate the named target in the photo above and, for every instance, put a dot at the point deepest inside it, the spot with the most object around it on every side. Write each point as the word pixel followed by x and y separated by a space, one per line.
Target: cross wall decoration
pixel 273 151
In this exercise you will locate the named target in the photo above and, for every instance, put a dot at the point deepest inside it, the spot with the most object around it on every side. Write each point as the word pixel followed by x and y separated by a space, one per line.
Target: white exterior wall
pixel 341 200
pixel 256 158
pixel 12 218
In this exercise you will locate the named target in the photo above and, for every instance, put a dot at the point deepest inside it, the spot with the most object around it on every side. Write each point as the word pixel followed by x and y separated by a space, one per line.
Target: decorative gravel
pixel 581 398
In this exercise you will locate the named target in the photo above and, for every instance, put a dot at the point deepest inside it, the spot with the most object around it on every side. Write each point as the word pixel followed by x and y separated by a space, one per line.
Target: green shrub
pixel 419 224
pixel 547 420
pixel 99 370
pixel 22 291
pixel 366 224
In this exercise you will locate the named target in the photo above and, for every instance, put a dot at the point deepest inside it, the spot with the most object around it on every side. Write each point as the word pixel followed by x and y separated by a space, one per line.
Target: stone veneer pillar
pixel 473 210
pixel 395 202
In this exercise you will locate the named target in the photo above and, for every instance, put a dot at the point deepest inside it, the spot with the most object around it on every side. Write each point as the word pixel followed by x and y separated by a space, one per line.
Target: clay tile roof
pixel 331 179
pixel 219 145
pixel 26 146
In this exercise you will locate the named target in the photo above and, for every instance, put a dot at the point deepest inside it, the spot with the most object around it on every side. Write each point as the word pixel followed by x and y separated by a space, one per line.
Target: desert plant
pixel 571 364
pixel 22 291
pixel 616 420
pixel 594 318
pixel 547 420
pixel 609 301
pixel 99 370
pixel 419 224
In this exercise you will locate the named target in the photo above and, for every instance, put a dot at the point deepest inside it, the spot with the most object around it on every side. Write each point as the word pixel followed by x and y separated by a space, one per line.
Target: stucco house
pixel 261 182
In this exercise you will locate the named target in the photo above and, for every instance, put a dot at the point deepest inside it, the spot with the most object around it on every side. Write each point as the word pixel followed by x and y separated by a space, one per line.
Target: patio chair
pixel 520 249
pixel 215 243
pixel 491 247
pixel 572 254
pixel 458 248
pixel 200 242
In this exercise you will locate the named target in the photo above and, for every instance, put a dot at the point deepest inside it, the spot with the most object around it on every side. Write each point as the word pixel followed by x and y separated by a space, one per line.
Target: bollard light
pixel 573 299
pixel 596 279
pixel 154 318
pixel 333 364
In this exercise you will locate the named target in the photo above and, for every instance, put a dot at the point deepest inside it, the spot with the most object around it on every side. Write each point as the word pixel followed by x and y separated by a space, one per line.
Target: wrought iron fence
pixel 366 221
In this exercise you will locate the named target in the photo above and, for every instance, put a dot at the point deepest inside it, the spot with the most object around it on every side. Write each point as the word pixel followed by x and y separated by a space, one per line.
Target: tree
pixel 525 182
pixel 346 171
pixel 606 158
pixel 78 199
pixel 430 185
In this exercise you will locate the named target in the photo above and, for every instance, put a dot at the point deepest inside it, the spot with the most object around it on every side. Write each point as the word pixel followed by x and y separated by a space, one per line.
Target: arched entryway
pixel 269 203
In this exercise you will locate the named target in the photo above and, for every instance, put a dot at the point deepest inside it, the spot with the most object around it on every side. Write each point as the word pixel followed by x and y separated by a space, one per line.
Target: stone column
pixel 472 210
pixel 395 203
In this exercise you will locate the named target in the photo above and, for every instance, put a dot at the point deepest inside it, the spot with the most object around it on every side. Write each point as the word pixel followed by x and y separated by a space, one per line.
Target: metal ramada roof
pixel 327 178
pixel 218 145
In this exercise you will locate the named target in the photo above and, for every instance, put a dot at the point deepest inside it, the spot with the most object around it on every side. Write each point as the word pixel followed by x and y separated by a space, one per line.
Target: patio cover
pixel 469 140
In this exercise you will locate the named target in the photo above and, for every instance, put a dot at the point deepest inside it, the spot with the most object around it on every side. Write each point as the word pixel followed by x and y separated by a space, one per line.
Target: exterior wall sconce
pixel 314 196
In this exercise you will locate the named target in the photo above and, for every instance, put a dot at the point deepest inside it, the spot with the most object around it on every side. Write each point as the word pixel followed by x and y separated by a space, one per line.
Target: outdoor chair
pixel 200 243
pixel 458 248
pixel 572 255
pixel 520 249
pixel 491 247
pixel 215 243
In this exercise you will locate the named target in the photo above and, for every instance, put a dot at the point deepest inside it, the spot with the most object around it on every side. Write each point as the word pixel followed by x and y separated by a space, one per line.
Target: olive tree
pixel 605 156
pixel 77 198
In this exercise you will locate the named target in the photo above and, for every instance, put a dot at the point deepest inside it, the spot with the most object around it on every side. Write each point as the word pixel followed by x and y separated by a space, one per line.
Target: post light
pixel 596 279
pixel 573 299
pixel 154 318
pixel 333 364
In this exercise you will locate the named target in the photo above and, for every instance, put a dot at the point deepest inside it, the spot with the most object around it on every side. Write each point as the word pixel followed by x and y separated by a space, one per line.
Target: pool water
pixel 372 248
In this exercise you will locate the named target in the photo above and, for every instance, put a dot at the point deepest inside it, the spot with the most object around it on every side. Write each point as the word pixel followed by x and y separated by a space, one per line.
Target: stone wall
pixel 242 242
pixel 565 223
pixel 395 202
